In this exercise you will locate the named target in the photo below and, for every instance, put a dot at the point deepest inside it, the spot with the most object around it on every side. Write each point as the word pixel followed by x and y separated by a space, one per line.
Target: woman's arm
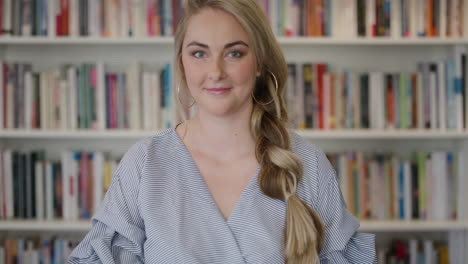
pixel 342 244
pixel 118 233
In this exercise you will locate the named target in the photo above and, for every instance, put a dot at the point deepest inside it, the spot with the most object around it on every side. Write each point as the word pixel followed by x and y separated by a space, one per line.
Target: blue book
pixel 401 190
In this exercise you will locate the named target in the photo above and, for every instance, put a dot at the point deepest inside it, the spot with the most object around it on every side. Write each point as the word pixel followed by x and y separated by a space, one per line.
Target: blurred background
pixel 379 85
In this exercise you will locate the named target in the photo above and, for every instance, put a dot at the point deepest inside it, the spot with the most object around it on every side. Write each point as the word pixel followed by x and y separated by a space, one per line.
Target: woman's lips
pixel 217 91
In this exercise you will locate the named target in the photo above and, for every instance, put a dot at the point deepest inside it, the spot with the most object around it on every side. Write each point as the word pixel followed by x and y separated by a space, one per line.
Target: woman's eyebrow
pixel 239 42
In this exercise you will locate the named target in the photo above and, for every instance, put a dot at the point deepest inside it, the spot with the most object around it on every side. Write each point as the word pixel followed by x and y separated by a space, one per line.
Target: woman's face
pixel 219 63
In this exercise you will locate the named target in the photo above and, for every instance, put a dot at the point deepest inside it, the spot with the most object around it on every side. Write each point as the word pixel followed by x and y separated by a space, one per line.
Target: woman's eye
pixel 198 54
pixel 235 54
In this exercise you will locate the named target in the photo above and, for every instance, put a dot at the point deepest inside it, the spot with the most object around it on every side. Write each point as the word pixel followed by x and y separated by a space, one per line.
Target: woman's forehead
pixel 216 28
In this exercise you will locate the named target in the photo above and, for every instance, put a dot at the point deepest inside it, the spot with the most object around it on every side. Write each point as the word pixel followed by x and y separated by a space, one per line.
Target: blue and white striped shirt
pixel 158 209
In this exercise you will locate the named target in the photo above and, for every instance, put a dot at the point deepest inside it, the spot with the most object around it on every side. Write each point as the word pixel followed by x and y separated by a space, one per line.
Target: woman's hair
pixel 281 170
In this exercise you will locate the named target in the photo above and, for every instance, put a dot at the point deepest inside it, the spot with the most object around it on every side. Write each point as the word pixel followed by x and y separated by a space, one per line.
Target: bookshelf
pixel 360 54
pixel 361 50
pixel 366 226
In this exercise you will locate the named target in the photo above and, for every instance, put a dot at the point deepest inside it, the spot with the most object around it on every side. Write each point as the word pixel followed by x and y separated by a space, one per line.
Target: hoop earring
pixel 276 91
pixel 180 101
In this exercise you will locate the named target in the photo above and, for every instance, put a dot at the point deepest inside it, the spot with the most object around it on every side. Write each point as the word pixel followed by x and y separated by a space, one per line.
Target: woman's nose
pixel 216 71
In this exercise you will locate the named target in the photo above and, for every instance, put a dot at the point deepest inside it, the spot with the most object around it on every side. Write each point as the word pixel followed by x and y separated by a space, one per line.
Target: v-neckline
pixel 206 193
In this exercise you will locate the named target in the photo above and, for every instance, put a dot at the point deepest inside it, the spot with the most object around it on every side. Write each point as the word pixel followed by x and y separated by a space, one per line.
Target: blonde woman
pixel 232 184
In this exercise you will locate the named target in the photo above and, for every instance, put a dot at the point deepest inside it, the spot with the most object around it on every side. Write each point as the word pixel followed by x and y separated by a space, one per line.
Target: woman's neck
pixel 221 137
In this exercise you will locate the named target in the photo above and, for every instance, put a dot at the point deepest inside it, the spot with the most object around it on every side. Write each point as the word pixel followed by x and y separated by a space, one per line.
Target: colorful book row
pixel 386 186
pixel 85 96
pixel 70 189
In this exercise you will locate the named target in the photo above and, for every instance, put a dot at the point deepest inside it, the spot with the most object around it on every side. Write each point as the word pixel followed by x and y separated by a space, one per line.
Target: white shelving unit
pixel 366 226
pixel 362 54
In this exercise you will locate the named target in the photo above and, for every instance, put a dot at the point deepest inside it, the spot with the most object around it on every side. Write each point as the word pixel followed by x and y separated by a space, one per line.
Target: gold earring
pixel 276 91
pixel 180 101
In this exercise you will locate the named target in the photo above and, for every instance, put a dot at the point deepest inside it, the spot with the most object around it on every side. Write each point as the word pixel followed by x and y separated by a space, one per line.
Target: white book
pixel 66 201
pixel 74 17
pixel 350 18
pixel 421 25
pixel 456 18
pixel 7 15
pixel 342 177
pixel 93 16
pixel 72 98
pixel 428 249
pixel 413 251
pixel 376 94
pixel 337 9
pixel 443 18
pixel 413 18
pixel 137 27
pixel 34 257
pixel 115 19
pixel 326 100
pixel 370 17
pixel 40 196
pixel 74 168
pixel 8 170
pixel 395 19
pixel 101 95
pixel 440 200
pixel 433 98
pixel 430 190
pixel 53 9
pixel 98 173
pixel 44 98
pixel 124 18
pixel 459 50
pixel 442 90
pixel 49 198
pixel 63 104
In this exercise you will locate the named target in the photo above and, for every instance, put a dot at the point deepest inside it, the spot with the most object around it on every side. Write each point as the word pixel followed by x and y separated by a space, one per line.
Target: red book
pixel 150 16
pixel 112 101
pixel 65 13
pixel 90 186
pixel 390 102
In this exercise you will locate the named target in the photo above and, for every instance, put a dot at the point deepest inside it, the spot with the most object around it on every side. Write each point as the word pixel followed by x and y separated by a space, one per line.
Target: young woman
pixel 232 184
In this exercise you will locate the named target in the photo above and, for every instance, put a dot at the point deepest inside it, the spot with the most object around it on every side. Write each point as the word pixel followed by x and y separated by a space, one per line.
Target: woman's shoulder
pixel 317 169
pixel 151 146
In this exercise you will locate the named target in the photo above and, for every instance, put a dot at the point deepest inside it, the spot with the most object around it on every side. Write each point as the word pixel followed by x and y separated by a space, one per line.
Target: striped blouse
pixel 158 209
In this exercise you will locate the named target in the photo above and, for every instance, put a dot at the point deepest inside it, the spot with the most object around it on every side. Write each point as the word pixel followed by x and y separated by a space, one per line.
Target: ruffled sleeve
pixel 117 234
pixel 342 243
